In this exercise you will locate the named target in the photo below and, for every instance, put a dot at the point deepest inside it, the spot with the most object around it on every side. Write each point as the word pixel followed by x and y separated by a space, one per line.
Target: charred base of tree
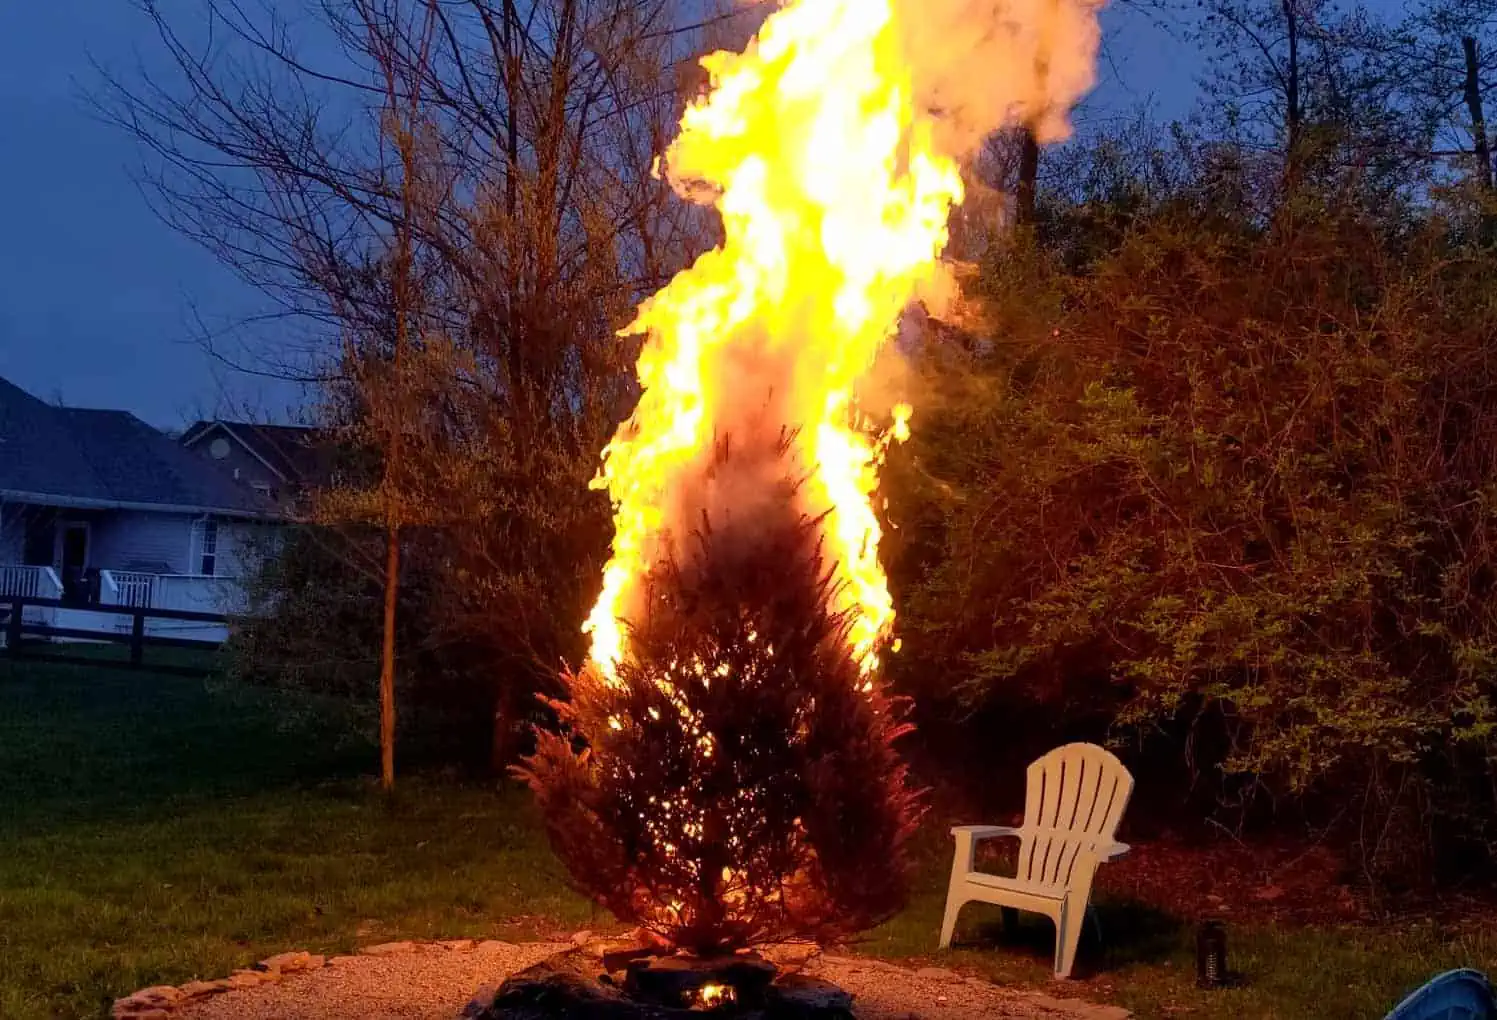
pixel 742 986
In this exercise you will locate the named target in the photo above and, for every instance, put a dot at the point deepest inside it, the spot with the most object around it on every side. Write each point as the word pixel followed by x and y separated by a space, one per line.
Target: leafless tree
pixel 454 201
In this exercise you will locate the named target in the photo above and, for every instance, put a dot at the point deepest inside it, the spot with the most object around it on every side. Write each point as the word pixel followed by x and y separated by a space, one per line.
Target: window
pixel 205 539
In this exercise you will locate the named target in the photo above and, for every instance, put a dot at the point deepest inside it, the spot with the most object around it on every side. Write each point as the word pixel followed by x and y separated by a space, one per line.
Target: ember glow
pixel 829 147
pixel 711 996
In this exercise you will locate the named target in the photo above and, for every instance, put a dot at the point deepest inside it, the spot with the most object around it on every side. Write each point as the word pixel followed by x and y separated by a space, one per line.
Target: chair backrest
pixel 1454 995
pixel 1075 800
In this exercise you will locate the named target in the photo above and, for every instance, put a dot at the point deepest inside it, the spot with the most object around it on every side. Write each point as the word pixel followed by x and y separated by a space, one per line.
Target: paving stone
pixel 287 963
pixel 199 989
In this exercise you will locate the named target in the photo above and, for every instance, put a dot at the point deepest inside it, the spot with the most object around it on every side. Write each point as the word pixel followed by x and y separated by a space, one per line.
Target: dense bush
pixel 1232 480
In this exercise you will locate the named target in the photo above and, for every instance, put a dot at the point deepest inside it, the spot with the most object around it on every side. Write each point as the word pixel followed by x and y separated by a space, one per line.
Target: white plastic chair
pixel 1076 796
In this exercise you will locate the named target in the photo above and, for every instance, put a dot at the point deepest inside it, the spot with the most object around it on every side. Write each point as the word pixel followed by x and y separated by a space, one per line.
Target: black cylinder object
pixel 1211 955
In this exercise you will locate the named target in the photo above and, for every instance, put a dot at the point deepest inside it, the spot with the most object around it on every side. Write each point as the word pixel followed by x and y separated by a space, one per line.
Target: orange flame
pixel 834 191
pixel 712 995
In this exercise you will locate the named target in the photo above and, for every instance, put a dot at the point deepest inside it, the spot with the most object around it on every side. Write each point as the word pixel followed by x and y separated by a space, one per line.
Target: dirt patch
pixel 406 981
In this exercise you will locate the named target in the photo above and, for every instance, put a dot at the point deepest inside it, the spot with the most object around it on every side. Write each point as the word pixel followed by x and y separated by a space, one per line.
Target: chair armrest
pixel 976 832
pixel 967 837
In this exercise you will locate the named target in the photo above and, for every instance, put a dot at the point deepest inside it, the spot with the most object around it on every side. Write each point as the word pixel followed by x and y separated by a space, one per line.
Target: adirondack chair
pixel 1454 995
pixel 1076 796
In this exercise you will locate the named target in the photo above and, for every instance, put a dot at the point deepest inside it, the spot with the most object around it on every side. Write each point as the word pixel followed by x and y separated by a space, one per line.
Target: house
pixel 97 507
pixel 279 463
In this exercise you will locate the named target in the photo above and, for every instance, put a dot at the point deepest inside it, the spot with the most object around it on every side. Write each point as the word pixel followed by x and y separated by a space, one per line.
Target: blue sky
pixel 100 302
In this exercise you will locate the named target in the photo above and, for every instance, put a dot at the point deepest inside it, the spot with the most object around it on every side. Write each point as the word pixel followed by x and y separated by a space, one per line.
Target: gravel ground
pixel 883 991
pixel 434 983
pixel 428 983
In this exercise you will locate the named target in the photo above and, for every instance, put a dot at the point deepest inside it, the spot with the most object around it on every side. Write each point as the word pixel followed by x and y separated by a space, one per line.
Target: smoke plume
pixel 983 65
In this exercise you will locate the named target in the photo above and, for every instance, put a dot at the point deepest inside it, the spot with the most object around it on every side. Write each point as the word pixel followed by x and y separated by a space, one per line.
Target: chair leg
pixel 1067 936
pixel 954 904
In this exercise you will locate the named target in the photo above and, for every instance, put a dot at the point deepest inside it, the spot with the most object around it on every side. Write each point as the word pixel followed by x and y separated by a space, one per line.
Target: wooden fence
pixel 18 629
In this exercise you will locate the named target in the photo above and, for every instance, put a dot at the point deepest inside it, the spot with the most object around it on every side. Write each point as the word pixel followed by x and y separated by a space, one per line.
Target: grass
pixel 1147 960
pixel 155 829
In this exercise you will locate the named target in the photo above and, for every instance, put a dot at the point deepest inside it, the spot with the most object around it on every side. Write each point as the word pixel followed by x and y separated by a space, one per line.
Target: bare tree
pixel 485 163
pixel 1301 81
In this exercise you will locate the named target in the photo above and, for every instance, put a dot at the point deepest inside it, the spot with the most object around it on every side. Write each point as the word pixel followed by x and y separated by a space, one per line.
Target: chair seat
pixel 1455 995
pixel 989 881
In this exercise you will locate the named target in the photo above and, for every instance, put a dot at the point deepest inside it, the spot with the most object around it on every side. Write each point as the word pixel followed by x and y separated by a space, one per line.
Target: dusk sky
pixel 100 302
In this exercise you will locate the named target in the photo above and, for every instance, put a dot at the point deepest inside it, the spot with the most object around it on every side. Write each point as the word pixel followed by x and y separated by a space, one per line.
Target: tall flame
pixel 827 167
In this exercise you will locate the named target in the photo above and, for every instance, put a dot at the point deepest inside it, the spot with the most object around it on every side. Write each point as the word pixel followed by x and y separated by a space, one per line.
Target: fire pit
pixel 628 986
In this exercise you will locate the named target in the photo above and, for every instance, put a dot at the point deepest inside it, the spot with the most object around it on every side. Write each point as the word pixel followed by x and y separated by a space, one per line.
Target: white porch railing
pixel 215 595
pixel 29 582
pixel 126 588
pixel 186 592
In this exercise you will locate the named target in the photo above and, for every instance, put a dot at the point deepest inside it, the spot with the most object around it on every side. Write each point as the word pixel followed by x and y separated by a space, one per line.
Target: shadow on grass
pixel 1131 934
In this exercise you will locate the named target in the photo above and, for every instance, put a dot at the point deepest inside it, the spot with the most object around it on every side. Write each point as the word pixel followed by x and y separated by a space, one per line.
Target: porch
pixel 139 590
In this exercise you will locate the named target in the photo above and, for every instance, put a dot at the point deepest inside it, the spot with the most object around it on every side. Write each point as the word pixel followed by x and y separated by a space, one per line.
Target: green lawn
pixel 156 829
pixel 159 829
pixel 1147 962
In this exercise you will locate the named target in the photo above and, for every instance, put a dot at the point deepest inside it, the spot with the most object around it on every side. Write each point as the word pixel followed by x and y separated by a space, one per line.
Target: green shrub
pixel 1231 478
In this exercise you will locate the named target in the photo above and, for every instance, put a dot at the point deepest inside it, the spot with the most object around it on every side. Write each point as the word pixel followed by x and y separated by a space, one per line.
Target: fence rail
pixel 17 629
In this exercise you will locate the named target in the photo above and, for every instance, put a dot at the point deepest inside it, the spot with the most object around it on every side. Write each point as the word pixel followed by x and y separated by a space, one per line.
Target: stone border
pixel 160 1001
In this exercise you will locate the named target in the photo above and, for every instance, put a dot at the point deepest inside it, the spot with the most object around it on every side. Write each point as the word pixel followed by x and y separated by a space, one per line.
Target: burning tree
pixel 726 775
pixel 738 783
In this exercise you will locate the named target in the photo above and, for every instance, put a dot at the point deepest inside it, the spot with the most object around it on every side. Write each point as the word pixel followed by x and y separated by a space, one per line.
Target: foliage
pixel 312 622
pixel 1237 478
pixel 314 627
pixel 738 783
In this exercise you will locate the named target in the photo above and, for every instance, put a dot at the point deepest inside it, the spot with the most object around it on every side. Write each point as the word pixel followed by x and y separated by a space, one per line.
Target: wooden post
pixel 137 638
pixel 387 662
pixel 13 627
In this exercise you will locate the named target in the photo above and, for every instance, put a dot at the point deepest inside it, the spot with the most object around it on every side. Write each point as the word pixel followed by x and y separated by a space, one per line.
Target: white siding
pixel 242 545
pixel 127 540
pixel 12 534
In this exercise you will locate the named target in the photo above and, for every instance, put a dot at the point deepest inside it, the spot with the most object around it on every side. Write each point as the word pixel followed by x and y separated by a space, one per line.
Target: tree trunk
pixel 387 661
pixel 1292 112
pixel 1029 171
pixel 502 748
pixel 1478 117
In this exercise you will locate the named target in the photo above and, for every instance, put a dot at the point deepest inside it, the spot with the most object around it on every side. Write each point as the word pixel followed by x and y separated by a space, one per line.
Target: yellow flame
pixel 834 202
pixel 713 994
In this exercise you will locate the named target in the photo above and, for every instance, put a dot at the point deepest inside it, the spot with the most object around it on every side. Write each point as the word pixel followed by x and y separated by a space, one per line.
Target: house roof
pixel 78 457
pixel 291 451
